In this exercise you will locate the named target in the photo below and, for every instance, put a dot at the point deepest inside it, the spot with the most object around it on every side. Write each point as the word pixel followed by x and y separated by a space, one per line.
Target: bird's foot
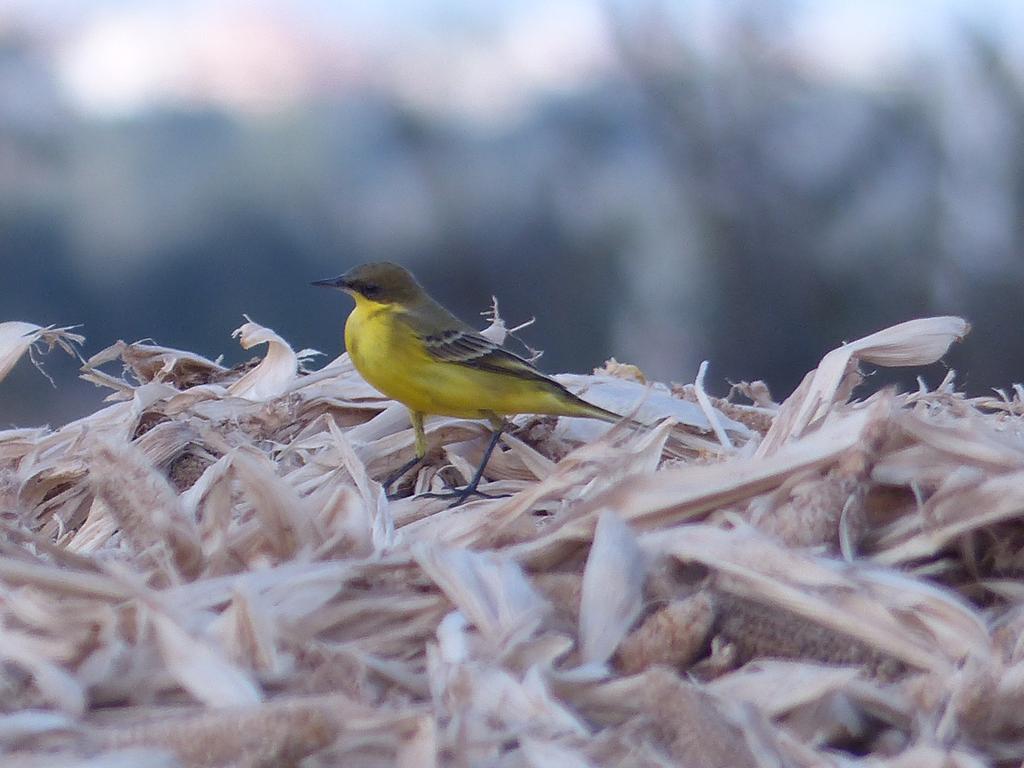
pixel 461 495
pixel 397 475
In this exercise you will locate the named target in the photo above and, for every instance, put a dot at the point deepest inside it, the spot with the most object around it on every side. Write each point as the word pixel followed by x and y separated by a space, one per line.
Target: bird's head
pixel 379 282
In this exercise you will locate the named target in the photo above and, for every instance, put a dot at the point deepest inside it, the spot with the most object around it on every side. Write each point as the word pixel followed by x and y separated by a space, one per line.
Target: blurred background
pixel 662 181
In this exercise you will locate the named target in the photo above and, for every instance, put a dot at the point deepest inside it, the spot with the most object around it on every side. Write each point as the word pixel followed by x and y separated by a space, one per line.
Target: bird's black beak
pixel 340 283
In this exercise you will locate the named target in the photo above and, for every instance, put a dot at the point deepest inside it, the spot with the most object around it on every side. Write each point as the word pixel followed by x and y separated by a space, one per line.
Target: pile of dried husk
pixel 207 573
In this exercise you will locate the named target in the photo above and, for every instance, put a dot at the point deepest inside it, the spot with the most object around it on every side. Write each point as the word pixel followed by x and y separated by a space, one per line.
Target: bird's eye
pixel 370 290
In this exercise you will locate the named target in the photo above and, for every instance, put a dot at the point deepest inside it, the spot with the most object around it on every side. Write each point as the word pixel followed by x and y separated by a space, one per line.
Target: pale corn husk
pixel 17 338
pixel 274 373
pixel 208 573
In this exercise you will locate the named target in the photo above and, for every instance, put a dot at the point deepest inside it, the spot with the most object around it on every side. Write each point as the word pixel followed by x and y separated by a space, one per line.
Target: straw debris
pixel 207 572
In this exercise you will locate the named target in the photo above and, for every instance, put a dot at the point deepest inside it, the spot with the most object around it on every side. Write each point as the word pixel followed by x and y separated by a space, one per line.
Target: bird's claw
pixel 461 495
pixel 397 475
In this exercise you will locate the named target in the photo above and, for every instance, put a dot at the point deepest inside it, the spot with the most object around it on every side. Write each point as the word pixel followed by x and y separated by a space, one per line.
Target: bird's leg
pixel 397 475
pixel 421 451
pixel 464 493
pixel 460 495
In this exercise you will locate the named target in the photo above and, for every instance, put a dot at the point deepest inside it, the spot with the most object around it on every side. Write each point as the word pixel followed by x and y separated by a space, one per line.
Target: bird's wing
pixel 467 347
pixel 455 345
pixel 449 340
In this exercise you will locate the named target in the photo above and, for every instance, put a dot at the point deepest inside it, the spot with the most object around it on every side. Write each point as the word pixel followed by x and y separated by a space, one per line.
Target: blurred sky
pixel 748 182
pixel 481 61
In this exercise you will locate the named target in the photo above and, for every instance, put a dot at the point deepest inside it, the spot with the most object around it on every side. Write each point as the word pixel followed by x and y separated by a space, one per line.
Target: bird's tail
pixel 596 412
pixel 577 406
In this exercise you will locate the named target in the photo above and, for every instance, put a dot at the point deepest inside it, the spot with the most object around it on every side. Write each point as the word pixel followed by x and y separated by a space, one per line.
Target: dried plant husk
pixel 18 338
pixel 208 572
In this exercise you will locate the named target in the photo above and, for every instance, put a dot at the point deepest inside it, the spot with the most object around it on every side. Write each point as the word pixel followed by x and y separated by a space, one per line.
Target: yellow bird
pixel 412 349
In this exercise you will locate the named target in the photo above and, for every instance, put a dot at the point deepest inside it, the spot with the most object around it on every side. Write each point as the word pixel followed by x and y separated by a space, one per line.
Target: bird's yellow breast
pixel 392 359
